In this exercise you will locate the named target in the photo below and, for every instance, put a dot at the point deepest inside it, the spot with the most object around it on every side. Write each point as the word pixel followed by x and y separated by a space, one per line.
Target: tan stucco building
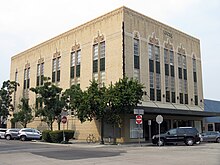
pixel 120 43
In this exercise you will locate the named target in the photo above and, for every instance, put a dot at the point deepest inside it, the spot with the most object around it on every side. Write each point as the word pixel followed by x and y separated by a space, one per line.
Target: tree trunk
pixel 102 131
pixel 114 137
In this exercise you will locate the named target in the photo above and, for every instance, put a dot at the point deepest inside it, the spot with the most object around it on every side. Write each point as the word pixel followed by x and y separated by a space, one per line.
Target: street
pixel 37 153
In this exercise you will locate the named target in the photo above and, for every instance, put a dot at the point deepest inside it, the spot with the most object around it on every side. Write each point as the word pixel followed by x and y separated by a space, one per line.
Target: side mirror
pixel 168 133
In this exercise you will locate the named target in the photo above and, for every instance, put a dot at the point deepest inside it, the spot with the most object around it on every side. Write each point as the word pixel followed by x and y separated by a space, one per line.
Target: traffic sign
pixel 138 111
pixel 159 119
pixel 64 119
pixel 138 119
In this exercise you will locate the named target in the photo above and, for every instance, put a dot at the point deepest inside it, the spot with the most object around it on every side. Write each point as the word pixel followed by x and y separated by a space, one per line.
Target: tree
pixel 6 92
pixel 89 104
pixel 49 95
pixel 123 97
pixel 24 116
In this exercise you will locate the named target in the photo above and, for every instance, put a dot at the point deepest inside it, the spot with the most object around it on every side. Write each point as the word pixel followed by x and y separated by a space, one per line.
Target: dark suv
pixel 187 135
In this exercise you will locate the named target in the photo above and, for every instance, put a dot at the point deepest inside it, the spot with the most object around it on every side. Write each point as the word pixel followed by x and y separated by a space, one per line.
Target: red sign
pixel 138 119
pixel 64 119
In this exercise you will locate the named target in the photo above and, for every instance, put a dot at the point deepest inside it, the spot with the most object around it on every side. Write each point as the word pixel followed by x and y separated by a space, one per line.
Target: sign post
pixel 64 120
pixel 159 120
pixel 139 113
pixel 149 127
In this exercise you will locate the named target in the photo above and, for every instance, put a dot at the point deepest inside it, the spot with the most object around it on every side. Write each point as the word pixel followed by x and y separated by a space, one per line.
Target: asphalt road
pixel 34 153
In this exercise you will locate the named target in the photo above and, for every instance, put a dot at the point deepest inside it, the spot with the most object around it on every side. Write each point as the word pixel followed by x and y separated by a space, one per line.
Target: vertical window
pixel 99 60
pixel 136 54
pixel 56 66
pixel 169 75
pixel 154 70
pixel 182 72
pixel 75 64
pixel 195 82
pixel 26 80
pixel 40 74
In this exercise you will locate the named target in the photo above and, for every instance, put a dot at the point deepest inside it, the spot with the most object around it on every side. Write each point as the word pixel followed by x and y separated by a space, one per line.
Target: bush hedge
pixel 57 136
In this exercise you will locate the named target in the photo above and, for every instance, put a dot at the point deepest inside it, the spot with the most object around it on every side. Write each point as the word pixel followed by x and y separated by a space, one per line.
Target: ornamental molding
pixel 75 47
pixel 56 54
pixel 181 50
pixel 99 38
pixel 153 39
pixel 41 60
pixel 168 44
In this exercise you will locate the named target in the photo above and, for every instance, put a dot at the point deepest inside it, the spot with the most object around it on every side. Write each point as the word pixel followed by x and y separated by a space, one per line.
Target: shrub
pixel 57 136
pixel 46 136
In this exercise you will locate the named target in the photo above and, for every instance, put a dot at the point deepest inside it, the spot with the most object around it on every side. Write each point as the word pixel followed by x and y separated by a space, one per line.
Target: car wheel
pixel 189 141
pixel 8 137
pixel 161 142
pixel 23 138
pixel 218 140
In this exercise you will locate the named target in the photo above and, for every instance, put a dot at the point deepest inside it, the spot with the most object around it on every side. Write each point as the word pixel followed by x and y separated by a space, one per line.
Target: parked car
pixel 2 133
pixel 210 136
pixel 11 133
pixel 187 135
pixel 29 134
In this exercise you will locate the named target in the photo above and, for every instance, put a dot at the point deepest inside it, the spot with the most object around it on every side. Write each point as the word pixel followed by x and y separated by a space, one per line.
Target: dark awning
pixel 180 112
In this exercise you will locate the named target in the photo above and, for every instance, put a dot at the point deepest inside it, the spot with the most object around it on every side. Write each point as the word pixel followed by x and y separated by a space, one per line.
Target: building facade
pixel 120 43
pixel 212 123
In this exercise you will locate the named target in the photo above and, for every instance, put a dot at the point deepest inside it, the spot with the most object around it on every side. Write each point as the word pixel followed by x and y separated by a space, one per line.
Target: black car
pixel 187 135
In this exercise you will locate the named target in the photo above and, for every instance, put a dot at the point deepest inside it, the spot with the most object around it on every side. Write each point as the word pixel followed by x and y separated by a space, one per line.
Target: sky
pixel 26 23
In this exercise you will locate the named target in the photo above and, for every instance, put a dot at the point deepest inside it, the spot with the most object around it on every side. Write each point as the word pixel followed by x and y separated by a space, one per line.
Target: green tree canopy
pixel 24 116
pixel 49 95
pixel 6 106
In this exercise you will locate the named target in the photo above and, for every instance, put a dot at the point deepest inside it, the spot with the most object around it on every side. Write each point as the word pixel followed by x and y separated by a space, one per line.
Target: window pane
pixel 157 53
pixel 158 95
pixel 167 96
pixel 54 65
pixel 171 58
pixel 73 59
pixel 72 72
pixel 58 75
pixel 38 80
pixel 166 69
pixel 95 52
pixel 42 69
pixel 166 59
pixel 136 62
pixel 151 65
pixel 152 95
pixel 151 80
pixel 186 98
pixel 172 71
pixel 157 67
pixel 77 70
pixel 173 97
pixel 185 74
pixel 180 73
pixel 150 51
pixel 58 63
pixel 196 100
pixel 181 98
pixel 102 50
pixel 194 77
pixel 78 57
pixel 53 76
pixel 102 64
pixel 95 66
pixel 38 69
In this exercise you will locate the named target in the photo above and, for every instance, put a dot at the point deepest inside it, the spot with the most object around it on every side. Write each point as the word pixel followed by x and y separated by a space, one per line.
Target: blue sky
pixel 26 23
